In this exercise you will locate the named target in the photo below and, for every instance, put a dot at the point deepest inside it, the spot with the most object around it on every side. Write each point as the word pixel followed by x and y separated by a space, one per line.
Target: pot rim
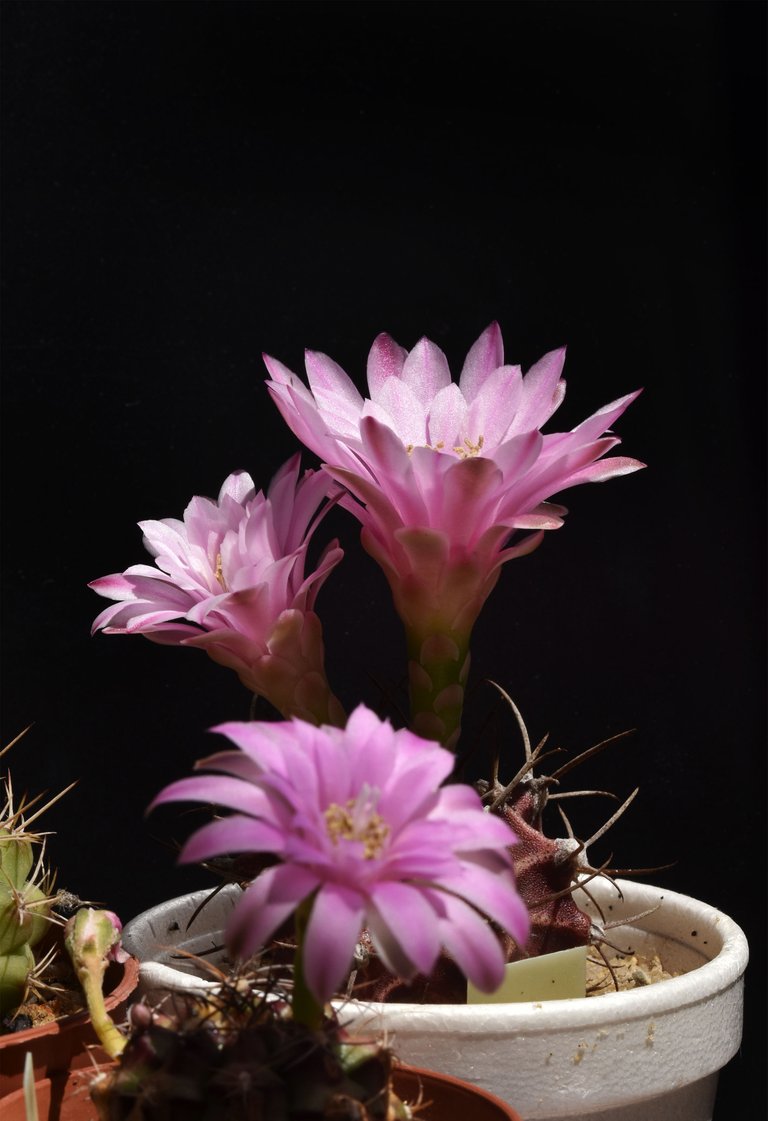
pixel 700 984
pixel 426 1074
pixel 12 1104
pixel 623 899
pixel 120 992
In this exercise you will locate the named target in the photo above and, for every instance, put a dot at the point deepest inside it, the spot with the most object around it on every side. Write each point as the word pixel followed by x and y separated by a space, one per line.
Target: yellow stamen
pixel 432 447
pixel 220 574
pixel 469 449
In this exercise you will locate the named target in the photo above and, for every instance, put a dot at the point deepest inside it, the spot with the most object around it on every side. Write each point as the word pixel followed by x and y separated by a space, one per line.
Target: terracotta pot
pixel 67 1044
pixel 651 1054
pixel 445 1099
pixel 64 1097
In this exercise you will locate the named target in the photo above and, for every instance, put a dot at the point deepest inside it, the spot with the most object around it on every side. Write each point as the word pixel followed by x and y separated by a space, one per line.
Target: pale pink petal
pixel 380 414
pixel 303 418
pixel 282 493
pixel 539 392
pixel 166 537
pixel 426 371
pixel 459 804
pixel 491 894
pixel 391 461
pixel 218 790
pixel 404 928
pixel 166 634
pixel 602 420
pixel 485 356
pixel 407 413
pixel 605 469
pixel 385 360
pixel 156 589
pixel 282 376
pixel 472 944
pixel 269 900
pixel 337 398
pixel 231 835
pixel 522 549
pixel 334 928
pixel 447 419
pixel 239 487
pixel 467 485
pixel 234 763
pixel 403 798
pixel 136 619
pixel 535 521
pixel 515 457
pixel 264 743
pixel 494 407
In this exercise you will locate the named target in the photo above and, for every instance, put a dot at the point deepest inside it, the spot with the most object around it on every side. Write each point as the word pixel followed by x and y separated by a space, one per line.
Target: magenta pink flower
pixel 360 826
pixel 441 475
pixel 230 578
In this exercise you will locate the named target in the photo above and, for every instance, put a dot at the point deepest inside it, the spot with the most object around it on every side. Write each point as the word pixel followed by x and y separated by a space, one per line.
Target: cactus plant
pixel 441 477
pixel 240 1054
pixel 373 843
pixel 547 871
pixel 27 896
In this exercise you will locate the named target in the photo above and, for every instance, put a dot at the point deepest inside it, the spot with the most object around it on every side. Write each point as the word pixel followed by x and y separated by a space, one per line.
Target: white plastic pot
pixel 651 1054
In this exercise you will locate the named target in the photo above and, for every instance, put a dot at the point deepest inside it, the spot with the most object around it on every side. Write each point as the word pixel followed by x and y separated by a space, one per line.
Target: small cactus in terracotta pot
pixel 239 1053
pixel 42 1003
pixel 362 834
pixel 26 899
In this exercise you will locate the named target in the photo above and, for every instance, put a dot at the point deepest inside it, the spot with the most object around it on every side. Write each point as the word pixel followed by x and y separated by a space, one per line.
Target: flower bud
pixel 93 935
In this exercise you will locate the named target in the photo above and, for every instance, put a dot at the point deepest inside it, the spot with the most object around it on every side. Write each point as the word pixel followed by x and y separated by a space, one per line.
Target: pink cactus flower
pixel 230 578
pixel 441 475
pixel 362 828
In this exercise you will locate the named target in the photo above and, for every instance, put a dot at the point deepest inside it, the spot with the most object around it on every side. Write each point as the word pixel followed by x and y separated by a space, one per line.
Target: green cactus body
pixel 25 909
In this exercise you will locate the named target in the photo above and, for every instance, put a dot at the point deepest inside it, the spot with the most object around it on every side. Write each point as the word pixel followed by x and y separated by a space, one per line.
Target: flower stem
pixel 438 665
pixel 306 1009
pixel 112 1040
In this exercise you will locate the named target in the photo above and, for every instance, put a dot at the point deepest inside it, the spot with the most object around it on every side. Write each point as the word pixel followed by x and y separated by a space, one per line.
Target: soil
pixel 42 1011
pixel 61 995
pixel 633 971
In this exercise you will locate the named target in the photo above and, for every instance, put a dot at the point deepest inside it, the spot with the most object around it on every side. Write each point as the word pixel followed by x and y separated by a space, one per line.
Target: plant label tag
pixel 558 976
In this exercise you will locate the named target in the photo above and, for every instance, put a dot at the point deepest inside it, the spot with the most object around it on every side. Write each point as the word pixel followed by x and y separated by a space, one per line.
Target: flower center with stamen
pixel 357 820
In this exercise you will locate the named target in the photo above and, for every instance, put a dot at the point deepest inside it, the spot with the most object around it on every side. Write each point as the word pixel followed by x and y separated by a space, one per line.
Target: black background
pixel 189 184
